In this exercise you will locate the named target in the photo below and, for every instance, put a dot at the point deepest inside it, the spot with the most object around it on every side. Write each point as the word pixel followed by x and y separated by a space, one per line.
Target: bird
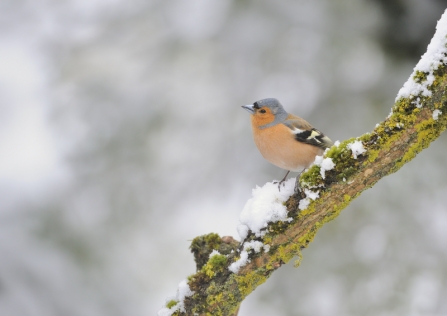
pixel 285 140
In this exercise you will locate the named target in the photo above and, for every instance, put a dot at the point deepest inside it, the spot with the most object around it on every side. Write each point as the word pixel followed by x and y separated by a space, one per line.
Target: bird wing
pixel 305 133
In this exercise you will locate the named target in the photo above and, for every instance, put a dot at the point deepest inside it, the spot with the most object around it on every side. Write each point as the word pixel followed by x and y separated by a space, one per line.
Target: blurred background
pixel 122 138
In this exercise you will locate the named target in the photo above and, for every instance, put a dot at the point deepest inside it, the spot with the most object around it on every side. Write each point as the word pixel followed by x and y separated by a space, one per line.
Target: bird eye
pixel 262 111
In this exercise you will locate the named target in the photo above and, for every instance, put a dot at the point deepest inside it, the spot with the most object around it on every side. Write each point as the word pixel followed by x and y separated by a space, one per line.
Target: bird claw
pixel 282 181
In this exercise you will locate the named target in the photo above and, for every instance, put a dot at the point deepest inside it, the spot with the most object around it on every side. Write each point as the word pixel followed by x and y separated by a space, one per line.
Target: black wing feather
pixel 314 137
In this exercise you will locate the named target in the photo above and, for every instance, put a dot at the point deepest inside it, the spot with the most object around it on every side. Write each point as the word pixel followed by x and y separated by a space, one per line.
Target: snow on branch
pixel 276 226
pixel 427 65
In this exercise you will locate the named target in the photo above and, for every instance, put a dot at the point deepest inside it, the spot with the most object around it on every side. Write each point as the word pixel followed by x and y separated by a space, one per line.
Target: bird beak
pixel 249 108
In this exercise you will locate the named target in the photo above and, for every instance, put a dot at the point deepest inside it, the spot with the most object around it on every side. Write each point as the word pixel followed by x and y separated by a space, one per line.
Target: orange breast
pixel 278 145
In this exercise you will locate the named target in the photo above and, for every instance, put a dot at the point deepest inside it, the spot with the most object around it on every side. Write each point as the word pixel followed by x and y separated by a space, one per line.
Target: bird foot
pixel 282 181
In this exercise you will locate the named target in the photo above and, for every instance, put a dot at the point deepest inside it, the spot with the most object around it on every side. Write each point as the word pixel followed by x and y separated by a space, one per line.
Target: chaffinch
pixel 285 140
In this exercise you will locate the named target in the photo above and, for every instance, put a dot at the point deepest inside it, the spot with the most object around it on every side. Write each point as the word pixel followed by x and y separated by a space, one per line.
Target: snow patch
pixel 436 114
pixel 310 196
pixel 242 230
pixel 183 291
pixel 356 148
pixel 214 253
pixel 430 61
pixel 304 203
pixel 325 164
pixel 266 206
pixel 253 245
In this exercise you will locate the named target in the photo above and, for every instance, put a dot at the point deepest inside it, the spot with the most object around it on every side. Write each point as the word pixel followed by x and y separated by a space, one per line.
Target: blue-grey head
pixel 267 112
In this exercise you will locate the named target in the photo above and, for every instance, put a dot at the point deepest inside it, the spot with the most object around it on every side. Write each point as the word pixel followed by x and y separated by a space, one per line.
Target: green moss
pixel 287 252
pixel 218 301
pixel 267 239
pixel 247 283
pixel 311 178
pixel 345 164
pixel 218 261
pixel 439 77
pixel 426 135
pixel 171 303
pixel 346 172
pixel 305 239
pixel 297 262
pixel 215 264
pixel 336 151
pixel 340 206
pixel 276 228
pixel 372 156
pixel 211 241
pixel 214 301
pixel 202 247
pixel 420 76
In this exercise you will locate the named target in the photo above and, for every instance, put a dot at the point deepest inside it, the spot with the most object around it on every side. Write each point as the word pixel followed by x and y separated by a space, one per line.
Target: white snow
pixel 253 245
pixel 436 113
pixel 417 102
pixel 318 160
pixel 266 206
pixel 357 148
pixel 213 253
pixel 337 143
pixel 304 203
pixel 242 230
pixel 182 292
pixel 325 164
pixel 430 61
pixel 311 194
pixel 237 265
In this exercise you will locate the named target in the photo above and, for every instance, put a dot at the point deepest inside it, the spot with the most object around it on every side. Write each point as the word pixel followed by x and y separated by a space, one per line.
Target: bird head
pixel 266 112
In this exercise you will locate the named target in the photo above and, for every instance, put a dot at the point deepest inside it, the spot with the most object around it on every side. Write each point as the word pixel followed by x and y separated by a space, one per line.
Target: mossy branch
pixel 414 123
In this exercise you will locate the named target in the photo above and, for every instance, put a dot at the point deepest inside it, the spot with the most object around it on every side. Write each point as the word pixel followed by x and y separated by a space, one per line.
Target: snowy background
pixel 122 138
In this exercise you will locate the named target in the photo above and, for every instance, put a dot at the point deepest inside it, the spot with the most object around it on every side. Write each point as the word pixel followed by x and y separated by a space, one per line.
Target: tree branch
pixel 418 117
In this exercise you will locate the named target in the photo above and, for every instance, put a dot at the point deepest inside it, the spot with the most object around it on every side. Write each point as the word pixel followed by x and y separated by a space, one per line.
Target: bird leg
pixel 282 181
pixel 297 183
